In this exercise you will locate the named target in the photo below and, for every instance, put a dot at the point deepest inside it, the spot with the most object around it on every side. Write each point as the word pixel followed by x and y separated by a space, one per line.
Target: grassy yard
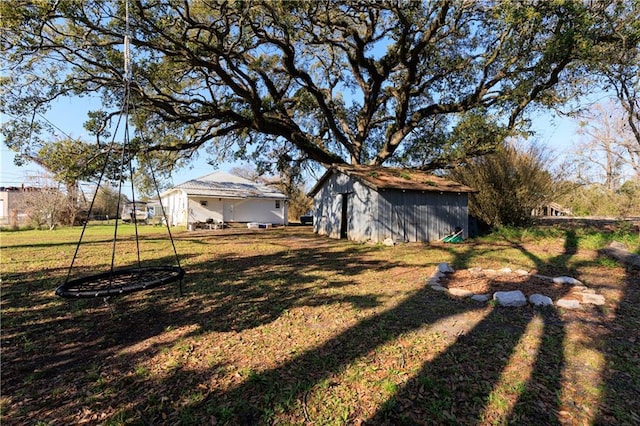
pixel 281 326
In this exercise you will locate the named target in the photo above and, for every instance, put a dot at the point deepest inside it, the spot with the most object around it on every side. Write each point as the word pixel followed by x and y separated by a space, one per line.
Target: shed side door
pixel 344 217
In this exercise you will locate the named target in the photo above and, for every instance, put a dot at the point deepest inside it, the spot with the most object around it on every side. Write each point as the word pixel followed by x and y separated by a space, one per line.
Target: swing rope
pixel 126 280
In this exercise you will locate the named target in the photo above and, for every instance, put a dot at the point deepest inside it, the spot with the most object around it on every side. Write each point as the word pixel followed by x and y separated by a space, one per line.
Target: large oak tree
pixel 426 82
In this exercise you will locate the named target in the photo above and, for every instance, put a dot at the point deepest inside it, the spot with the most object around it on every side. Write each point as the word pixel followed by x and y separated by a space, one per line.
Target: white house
pixel 221 197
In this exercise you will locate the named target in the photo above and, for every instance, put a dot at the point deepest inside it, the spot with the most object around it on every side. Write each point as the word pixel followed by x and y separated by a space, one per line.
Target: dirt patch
pixel 489 282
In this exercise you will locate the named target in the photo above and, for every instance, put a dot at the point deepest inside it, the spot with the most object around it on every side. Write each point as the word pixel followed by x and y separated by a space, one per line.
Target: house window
pixel 203 203
pixel 277 204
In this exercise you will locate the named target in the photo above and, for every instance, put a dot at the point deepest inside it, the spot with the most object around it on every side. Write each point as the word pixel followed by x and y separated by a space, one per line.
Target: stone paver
pixel 540 300
pixel 593 299
pixel 460 292
pixel 568 304
pixel 480 297
pixel 513 298
pixel 444 268
pixel 566 280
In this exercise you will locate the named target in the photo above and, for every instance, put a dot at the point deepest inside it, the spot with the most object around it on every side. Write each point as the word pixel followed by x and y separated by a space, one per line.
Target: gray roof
pixel 225 185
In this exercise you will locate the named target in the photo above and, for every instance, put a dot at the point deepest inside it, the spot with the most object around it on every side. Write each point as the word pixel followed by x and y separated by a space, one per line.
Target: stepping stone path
pixel 516 298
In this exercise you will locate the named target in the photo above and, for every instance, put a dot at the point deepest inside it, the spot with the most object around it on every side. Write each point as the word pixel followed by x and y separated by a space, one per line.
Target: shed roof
pixel 226 185
pixel 380 178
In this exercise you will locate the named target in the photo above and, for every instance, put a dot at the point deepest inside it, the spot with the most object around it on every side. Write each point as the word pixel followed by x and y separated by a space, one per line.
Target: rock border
pixel 516 298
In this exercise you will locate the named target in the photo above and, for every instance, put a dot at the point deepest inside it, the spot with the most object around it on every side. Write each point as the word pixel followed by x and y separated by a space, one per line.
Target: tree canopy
pixel 424 82
pixel 621 70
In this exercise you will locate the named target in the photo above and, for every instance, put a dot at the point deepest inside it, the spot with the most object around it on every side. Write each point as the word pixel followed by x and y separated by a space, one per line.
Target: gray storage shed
pixel 366 203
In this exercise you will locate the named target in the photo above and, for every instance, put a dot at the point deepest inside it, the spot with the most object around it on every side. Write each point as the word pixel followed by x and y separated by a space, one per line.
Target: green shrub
pixel 511 183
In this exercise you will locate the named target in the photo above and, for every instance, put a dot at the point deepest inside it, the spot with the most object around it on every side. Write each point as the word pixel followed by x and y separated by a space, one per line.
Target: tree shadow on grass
pixel 621 378
pixel 475 382
pixel 232 294
pixel 473 366
pixel 49 342
pixel 279 389
pixel 94 354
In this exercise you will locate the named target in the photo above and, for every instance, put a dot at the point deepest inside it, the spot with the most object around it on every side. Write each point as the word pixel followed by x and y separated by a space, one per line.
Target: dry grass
pixel 284 327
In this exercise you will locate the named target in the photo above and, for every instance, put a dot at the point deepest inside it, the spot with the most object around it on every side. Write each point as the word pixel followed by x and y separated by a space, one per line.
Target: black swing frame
pixel 120 282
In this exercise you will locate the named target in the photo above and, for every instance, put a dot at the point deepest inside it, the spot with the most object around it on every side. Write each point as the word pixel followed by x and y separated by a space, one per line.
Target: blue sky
pixel 558 133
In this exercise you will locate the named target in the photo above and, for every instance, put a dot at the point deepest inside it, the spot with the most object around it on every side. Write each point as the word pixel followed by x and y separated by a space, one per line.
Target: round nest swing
pixel 119 282
pixel 126 280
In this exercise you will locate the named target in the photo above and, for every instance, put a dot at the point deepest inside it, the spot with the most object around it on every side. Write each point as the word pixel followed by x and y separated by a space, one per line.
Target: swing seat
pixel 119 282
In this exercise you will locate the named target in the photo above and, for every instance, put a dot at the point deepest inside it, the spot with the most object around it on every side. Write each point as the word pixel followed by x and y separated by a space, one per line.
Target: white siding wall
pixel 224 210
pixel 256 210
pixel 175 207
pixel 201 213
pixel 12 213
pixel 181 211
pixel 4 208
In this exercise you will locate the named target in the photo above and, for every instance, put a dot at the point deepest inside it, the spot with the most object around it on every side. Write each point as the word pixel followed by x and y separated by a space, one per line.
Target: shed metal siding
pixel 402 215
pixel 327 204
pixel 362 214
pixel 415 216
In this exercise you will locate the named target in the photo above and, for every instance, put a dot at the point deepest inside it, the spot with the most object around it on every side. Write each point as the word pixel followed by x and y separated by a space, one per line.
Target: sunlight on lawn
pixel 582 389
pixel 285 327
pixel 515 376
